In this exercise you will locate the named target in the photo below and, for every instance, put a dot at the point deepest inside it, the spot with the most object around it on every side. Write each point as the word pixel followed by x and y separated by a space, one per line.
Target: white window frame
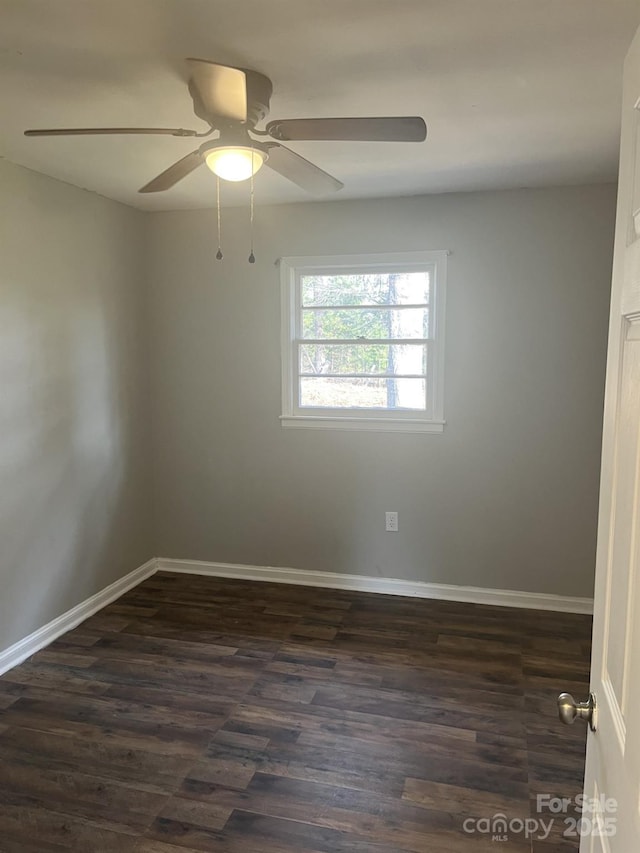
pixel 296 416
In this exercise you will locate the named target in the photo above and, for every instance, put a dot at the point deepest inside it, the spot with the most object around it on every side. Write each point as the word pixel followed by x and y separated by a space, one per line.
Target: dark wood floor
pixel 215 715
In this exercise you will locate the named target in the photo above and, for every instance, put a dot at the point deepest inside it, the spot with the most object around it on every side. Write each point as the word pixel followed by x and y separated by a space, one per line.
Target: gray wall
pixel 74 415
pixel 506 498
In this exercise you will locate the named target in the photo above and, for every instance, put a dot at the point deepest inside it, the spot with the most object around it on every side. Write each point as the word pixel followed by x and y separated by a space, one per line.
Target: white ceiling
pixel 515 92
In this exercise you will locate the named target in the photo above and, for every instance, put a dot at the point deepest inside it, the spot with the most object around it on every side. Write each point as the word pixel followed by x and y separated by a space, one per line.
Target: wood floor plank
pixel 329 723
pixel 61 830
pixel 378 819
pixel 203 714
pixel 464 800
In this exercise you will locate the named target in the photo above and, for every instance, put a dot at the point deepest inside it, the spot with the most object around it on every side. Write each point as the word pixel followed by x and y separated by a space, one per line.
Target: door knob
pixel 569 710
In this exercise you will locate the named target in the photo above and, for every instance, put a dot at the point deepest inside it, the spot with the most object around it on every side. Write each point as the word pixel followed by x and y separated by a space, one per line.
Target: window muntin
pixel 362 338
pixel 348 322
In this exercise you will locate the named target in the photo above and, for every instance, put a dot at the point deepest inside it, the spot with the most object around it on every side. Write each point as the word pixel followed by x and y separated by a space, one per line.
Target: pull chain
pixel 219 255
pixel 252 257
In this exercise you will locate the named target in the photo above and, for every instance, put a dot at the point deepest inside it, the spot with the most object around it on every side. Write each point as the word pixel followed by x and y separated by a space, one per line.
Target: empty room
pixel 319 426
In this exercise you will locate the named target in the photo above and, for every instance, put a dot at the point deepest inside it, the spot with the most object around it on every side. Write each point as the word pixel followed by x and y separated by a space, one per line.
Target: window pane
pixel 411 288
pixel 366 322
pixel 389 394
pixel 363 358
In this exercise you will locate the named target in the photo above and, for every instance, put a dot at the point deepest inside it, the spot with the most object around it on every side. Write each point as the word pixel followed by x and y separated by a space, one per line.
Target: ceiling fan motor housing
pixel 259 90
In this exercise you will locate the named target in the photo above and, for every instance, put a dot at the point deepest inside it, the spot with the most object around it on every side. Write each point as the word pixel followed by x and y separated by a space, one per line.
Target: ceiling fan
pixel 232 101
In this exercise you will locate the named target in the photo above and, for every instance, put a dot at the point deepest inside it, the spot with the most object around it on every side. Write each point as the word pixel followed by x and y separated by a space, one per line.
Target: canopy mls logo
pixel 502 828
pixel 572 818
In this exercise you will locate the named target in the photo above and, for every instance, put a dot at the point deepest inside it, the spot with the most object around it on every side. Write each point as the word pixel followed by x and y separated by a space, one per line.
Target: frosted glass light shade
pixel 234 163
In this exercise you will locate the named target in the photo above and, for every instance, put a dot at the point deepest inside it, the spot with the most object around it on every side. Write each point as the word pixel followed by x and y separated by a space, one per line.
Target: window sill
pixel 365 424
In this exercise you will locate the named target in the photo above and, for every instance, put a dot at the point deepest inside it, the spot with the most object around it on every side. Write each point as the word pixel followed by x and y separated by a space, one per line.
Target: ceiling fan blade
pixel 398 129
pixel 218 91
pixel 99 131
pixel 303 173
pixel 174 173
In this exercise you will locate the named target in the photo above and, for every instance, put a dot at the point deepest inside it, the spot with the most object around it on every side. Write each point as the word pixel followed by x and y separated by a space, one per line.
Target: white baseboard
pixel 386 586
pixel 31 644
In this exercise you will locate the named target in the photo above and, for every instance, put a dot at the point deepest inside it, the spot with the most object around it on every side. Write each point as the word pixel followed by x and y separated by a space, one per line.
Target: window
pixel 362 341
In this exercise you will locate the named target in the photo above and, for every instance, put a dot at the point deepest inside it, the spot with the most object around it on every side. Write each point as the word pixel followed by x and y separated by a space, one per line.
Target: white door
pixel 612 778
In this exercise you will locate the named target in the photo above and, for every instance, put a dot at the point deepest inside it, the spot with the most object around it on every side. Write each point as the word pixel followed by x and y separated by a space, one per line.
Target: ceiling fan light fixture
pixel 235 162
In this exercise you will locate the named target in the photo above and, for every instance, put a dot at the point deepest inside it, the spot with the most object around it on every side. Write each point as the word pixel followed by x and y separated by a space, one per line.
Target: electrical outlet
pixel 391 522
